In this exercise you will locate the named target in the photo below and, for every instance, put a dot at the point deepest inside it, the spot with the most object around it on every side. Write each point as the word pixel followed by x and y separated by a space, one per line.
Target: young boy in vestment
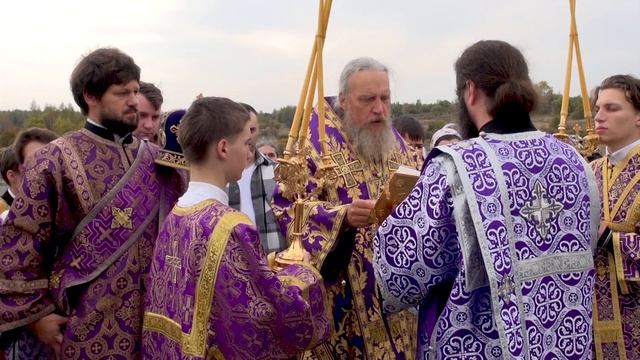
pixel 212 293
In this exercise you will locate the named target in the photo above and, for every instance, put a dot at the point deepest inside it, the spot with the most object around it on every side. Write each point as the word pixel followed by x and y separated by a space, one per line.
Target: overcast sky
pixel 256 51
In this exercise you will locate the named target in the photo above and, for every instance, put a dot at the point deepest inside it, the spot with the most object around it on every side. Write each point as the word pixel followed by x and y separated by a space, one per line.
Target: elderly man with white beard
pixel 337 232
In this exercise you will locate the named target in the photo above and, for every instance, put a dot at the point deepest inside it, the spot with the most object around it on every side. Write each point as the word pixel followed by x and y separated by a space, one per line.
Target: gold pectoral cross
pixel 121 218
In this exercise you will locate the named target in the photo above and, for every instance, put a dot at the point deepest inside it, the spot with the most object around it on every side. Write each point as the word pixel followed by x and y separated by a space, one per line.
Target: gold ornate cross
pixel 346 170
pixel 121 218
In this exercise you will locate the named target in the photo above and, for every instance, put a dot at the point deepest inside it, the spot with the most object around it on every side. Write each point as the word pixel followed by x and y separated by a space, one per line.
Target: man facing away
pixel 78 239
pixel 617 310
pixel 495 241
pixel 212 293
pixel 337 230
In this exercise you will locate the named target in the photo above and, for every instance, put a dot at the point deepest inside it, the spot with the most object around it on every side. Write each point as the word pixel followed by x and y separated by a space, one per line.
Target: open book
pixel 395 191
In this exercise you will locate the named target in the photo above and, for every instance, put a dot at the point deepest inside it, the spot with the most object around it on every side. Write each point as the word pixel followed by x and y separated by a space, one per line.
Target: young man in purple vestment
pixel 616 313
pixel 495 241
pixel 212 293
pixel 337 230
pixel 78 239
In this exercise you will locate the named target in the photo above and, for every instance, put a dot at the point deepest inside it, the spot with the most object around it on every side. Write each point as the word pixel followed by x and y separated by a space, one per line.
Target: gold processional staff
pixel 292 171
pixel 588 144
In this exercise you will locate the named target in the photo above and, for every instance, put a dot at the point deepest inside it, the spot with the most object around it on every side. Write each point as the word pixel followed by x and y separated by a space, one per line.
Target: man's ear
pixel 342 99
pixel 637 119
pixel 90 99
pixel 222 149
pixel 472 92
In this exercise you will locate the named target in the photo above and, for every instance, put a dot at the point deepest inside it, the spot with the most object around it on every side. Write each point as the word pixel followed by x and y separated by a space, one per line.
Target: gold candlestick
pixel 291 172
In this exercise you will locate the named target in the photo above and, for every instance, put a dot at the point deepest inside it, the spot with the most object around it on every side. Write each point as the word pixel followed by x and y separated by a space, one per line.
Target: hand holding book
pixel 395 191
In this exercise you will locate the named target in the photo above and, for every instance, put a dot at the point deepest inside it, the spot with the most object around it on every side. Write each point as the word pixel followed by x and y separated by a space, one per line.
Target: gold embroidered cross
pixel 173 261
pixel 539 209
pixel 121 218
pixel 174 129
pixel 54 280
pixel 346 170
pixel 76 263
pixel 393 163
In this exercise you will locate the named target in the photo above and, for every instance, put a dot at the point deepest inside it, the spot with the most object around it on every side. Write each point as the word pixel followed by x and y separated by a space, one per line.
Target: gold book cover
pixel 395 191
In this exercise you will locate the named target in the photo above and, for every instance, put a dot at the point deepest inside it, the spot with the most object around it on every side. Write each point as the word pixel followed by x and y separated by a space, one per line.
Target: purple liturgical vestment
pixel 212 294
pixel 344 254
pixel 495 245
pixel 78 241
pixel 616 313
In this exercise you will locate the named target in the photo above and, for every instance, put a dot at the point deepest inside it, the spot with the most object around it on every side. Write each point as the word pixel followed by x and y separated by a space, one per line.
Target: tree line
pixel 275 124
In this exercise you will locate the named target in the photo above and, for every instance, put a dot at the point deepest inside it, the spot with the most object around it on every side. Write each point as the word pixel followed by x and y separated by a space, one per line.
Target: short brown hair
pixel 627 83
pixel 97 71
pixel 8 161
pixel 152 93
pixel 24 137
pixel 207 121
pixel 501 72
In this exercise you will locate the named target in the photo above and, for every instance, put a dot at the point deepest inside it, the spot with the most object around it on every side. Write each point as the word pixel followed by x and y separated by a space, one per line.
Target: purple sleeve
pixel 416 248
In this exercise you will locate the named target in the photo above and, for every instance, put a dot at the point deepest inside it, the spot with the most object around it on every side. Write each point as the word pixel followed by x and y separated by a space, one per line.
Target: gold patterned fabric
pixel 617 305
pixel 213 295
pixel 344 255
pixel 43 245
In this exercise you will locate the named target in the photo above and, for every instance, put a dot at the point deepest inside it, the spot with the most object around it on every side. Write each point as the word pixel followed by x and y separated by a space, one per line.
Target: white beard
pixel 372 146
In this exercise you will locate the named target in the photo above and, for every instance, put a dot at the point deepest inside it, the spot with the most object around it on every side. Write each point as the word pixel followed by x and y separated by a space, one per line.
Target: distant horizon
pixel 257 52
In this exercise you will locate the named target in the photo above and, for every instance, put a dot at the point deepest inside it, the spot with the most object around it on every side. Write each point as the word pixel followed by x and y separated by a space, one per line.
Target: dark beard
pixel 118 126
pixel 467 128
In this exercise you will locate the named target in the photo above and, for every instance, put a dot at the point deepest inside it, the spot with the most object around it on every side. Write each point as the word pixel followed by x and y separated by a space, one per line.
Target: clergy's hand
pixel 358 212
pixel 48 331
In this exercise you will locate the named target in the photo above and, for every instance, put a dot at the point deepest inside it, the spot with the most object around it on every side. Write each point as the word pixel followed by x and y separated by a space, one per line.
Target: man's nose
pixel 599 116
pixel 132 100
pixel 378 106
